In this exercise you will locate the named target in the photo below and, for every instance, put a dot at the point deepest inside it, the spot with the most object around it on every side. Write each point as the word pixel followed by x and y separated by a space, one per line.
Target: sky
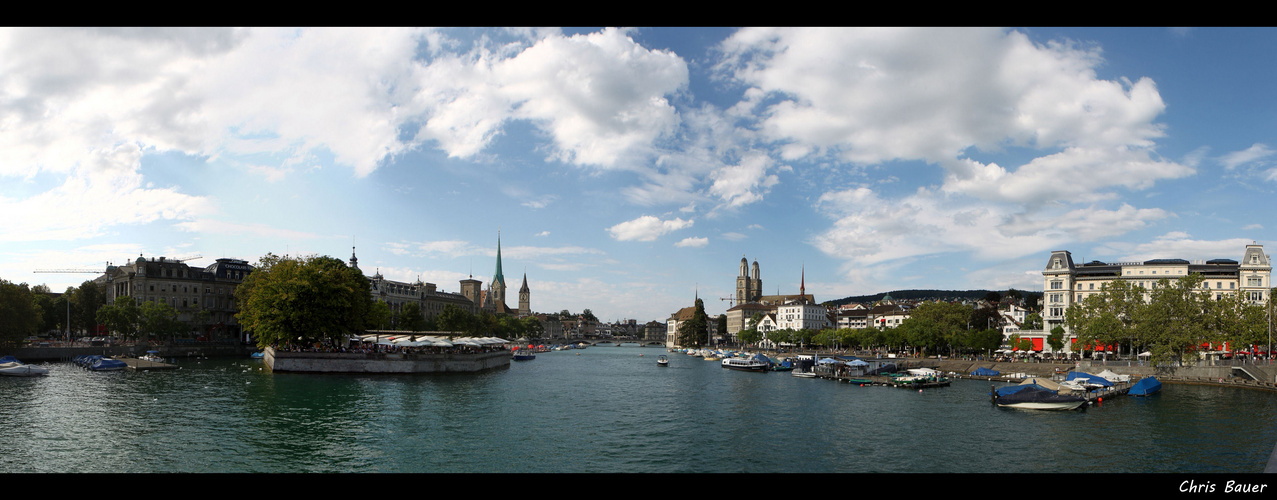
pixel 628 170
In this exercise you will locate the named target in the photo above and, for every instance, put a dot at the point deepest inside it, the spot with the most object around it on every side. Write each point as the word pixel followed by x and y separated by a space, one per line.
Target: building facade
pixel 1065 283
pixel 187 288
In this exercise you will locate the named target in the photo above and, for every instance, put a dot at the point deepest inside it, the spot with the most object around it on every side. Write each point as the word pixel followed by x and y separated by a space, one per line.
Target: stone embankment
pixel 1242 375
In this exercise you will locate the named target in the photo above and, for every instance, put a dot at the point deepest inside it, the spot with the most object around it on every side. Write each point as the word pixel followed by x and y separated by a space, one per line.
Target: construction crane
pixel 729 299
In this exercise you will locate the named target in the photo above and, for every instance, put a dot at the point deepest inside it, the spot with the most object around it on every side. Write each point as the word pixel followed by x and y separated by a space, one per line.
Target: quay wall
pixel 323 362
pixel 59 353
pixel 1249 375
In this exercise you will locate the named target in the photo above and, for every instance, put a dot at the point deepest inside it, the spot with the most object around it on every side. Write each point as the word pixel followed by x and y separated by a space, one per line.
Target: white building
pixel 1065 283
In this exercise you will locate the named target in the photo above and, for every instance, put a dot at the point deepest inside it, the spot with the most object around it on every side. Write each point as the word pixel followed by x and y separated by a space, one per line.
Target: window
pixel 1092 286
pixel 1056 285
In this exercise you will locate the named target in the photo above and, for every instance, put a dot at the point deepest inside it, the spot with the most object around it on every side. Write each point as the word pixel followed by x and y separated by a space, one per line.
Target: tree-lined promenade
pixel 1173 320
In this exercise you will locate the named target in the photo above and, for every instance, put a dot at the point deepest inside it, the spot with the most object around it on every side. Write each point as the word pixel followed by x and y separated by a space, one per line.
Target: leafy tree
pixel 985 340
pixel 160 319
pixel 19 316
pixel 454 319
pixel 121 317
pixel 695 331
pixel 1174 321
pixel 1056 339
pixel 588 315
pixel 533 327
pixel 85 301
pixel 1032 322
pixel 302 300
pixel 410 318
pixel 749 336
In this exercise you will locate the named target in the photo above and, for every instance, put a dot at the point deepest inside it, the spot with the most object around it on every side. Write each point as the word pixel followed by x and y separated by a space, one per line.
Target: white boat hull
pixel 22 370
pixel 1069 405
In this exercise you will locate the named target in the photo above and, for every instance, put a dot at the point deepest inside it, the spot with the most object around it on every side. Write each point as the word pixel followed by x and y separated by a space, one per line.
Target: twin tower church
pixel 431 301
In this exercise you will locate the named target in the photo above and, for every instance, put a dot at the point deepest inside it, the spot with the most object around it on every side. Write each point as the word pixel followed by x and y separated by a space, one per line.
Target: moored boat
pixel 10 366
pixel 1034 397
pixel 1146 386
pixel 107 365
pixel 745 364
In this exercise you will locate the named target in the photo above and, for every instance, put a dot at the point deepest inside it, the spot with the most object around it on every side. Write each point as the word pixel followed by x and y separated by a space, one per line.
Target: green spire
pixel 498 276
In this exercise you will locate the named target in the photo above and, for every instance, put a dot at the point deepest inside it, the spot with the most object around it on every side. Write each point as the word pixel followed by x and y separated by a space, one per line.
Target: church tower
pixel 498 279
pixel 742 283
pixel 525 300
pixel 755 285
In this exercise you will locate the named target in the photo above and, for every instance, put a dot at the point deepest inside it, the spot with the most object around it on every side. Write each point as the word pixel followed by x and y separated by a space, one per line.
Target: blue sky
pixel 629 169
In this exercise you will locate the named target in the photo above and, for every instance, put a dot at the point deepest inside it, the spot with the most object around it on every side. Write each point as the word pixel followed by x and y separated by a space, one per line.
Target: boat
pixel 10 366
pixel 745 364
pixel 1146 386
pixel 107 365
pixel 662 361
pixel 1035 397
pixel 524 355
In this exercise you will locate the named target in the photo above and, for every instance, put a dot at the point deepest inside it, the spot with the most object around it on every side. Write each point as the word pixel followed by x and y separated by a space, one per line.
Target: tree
pixel 749 336
pixel 695 331
pixel 1032 322
pixel 160 319
pixel 1056 339
pixel 454 319
pixel 722 324
pixel 121 317
pixel 302 300
pixel 1174 321
pixel 19 316
pixel 410 318
pixel 589 315
pixel 85 302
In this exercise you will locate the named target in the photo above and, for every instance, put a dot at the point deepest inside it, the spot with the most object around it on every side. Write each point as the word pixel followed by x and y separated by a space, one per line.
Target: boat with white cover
pixel 10 366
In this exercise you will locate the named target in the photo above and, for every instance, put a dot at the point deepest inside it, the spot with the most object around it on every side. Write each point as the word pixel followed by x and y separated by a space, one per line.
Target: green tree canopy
pixel 302 300
pixel 19 316
pixel 695 332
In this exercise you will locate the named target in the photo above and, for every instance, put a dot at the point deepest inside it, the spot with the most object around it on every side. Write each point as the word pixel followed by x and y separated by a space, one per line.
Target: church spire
pixel 498 276
pixel 802 286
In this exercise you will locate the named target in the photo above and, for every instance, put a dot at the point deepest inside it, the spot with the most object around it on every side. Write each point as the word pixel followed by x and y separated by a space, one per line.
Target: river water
pixel 602 409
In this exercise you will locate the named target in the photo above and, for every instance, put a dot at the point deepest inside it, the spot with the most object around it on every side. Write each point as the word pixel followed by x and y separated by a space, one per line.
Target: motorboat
pixel 1035 397
pixel 745 364
pixel 1146 386
pixel 10 366
pixel 107 365
pixel 524 355
pixel 662 361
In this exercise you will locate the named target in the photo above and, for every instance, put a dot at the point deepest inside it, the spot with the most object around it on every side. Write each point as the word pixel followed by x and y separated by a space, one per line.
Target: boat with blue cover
pixel 1146 386
pixel 1035 397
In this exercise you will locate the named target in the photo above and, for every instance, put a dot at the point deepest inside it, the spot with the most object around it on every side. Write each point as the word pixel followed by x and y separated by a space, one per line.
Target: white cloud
pixel 1181 245
pixel 692 242
pixel 213 226
pixel 745 183
pixel 646 228
pixel 945 95
pixel 1254 153
pixel 601 96
pixel 870 230
pixel 103 190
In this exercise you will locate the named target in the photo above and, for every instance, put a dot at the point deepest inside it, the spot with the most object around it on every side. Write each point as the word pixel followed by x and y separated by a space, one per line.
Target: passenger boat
pixel 10 366
pixel 662 361
pixel 524 356
pixel 744 364
pixel 1033 397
